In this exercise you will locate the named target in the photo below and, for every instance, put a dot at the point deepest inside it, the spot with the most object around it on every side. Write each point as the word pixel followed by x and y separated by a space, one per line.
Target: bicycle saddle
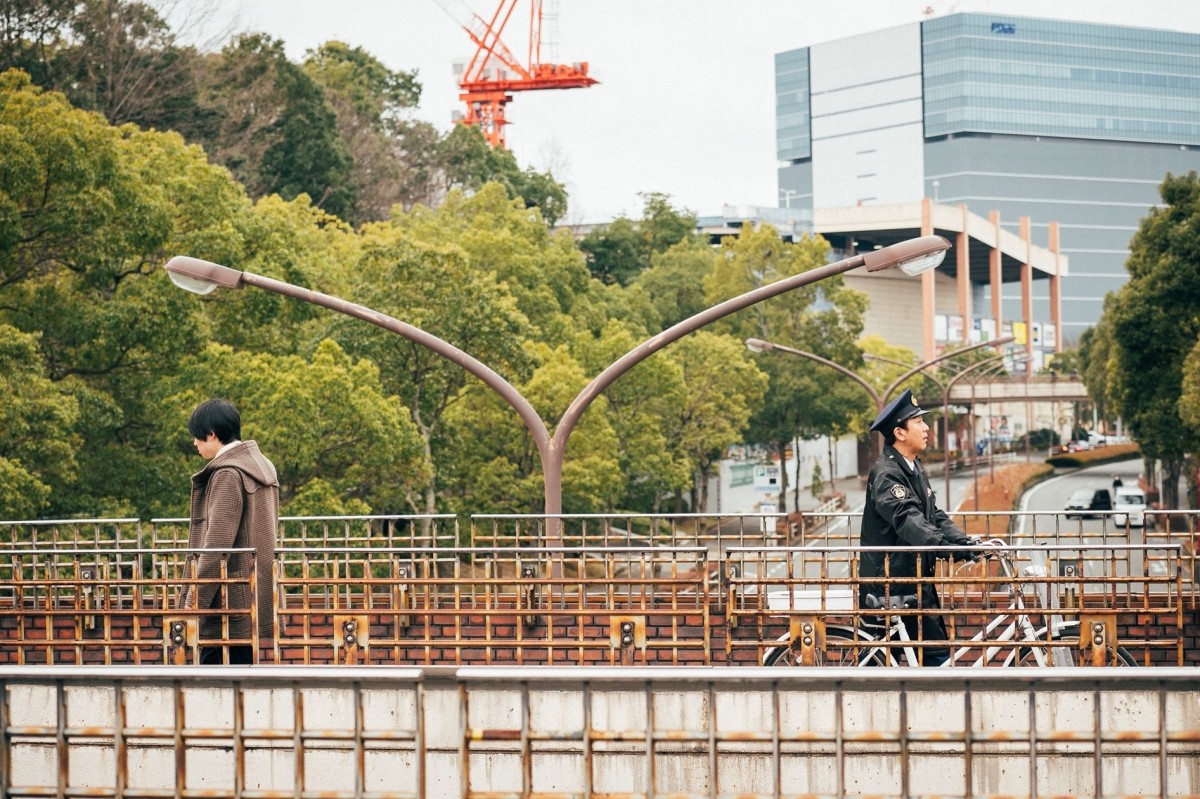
pixel 908 601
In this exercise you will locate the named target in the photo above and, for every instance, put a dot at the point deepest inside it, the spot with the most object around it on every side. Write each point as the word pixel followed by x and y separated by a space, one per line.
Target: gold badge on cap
pixel 898 491
pixel 914 400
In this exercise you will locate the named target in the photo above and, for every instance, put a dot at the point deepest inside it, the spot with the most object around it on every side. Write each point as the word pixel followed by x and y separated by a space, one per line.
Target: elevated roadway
pixel 1012 389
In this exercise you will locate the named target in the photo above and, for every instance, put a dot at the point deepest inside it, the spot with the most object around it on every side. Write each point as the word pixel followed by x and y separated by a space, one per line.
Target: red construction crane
pixel 494 72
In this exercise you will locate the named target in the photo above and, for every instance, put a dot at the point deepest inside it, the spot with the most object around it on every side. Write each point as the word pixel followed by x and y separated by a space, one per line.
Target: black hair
pixel 889 437
pixel 216 416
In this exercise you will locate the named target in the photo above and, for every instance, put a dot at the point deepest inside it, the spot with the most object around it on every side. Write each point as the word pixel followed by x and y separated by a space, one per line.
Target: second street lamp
pixel 913 257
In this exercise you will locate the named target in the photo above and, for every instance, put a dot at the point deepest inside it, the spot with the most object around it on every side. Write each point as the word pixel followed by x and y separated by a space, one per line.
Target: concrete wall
pixel 582 731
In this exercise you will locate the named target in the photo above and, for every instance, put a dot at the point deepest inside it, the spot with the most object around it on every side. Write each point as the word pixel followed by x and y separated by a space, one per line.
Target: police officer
pixel 901 511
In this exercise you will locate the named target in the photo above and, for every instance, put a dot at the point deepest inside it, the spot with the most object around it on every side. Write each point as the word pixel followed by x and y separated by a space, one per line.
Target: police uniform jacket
pixel 901 511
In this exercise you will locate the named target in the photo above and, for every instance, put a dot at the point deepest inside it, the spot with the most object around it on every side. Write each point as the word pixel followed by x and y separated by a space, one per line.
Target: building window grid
pixel 1069 102
pixel 979 25
pixel 1060 91
pixel 1141 79
pixel 792 106
pixel 1057 52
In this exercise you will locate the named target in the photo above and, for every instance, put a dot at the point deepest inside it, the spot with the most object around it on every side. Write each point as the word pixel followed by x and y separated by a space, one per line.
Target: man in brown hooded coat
pixel 235 505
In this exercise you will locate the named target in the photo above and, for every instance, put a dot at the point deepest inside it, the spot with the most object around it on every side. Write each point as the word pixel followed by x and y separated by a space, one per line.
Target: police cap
pixel 897 411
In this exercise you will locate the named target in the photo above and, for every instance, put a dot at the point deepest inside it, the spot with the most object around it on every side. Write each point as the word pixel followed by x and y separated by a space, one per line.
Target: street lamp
pixel 996 342
pixel 913 257
pixel 758 345
pixel 988 362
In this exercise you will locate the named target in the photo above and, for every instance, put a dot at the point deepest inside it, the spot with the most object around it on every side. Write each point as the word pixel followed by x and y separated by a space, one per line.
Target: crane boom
pixel 494 72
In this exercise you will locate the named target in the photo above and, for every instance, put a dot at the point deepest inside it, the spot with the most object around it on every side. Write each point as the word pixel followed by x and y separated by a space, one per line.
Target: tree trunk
pixel 796 458
pixel 1172 468
pixel 1192 470
pixel 780 450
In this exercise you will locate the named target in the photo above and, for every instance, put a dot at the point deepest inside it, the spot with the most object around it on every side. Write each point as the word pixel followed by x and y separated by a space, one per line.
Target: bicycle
pixel 864 643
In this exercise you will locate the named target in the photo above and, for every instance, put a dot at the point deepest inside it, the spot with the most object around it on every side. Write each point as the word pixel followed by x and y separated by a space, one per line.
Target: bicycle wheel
pixel 1069 643
pixel 841 649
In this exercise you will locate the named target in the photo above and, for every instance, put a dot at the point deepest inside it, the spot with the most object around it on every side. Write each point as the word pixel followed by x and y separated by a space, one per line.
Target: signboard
pixel 766 523
pixel 766 477
pixel 956 328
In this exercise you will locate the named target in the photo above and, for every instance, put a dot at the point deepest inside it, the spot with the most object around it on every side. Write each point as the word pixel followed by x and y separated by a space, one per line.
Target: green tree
pixel 1095 356
pixel 89 212
pixel 1154 328
pixel 272 126
pixel 639 407
pixel 31 32
pixel 498 468
pixel 38 416
pixel 448 295
pixel 371 103
pixel 725 388
pixel 540 268
pixel 123 61
pixel 620 251
pixel 805 398
pixel 468 162
pixel 675 280
pixel 339 442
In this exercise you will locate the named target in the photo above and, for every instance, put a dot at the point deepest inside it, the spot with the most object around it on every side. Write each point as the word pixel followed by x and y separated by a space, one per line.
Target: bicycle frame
pixel 1017 629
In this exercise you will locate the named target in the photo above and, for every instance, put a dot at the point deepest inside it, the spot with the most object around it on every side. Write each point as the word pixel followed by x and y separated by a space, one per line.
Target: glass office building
pixel 1056 121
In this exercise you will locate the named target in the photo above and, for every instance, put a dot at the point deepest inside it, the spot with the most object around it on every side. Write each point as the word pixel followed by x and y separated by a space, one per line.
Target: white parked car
pixel 1129 507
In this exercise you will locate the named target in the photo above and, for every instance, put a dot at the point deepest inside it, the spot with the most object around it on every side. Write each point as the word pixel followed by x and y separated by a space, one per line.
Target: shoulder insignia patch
pixel 898 491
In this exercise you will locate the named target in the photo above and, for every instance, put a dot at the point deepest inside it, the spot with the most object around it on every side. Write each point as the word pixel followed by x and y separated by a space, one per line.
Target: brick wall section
pixel 671 639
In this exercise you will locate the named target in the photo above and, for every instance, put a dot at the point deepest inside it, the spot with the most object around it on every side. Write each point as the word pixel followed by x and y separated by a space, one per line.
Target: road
pixel 1051 495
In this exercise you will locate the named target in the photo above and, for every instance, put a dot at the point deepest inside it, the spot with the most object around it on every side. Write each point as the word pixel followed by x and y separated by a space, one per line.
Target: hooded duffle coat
pixel 235 505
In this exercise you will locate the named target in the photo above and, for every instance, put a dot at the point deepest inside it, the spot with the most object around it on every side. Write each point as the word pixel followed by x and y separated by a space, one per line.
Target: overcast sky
pixel 685 104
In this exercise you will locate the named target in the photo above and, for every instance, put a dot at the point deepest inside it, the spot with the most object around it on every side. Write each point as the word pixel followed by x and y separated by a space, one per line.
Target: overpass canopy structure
pixel 867 227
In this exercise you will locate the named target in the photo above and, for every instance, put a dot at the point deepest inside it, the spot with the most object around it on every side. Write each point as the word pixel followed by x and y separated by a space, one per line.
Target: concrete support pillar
pixel 1056 290
pixel 963 250
pixel 1027 290
pixel 994 272
pixel 928 295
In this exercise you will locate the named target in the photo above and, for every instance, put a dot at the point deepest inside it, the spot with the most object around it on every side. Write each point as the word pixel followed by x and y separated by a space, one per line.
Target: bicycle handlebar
pixel 895 602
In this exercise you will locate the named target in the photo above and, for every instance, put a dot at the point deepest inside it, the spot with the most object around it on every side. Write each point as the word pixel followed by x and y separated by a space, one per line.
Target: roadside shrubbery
pixel 1094 457
pixel 1000 494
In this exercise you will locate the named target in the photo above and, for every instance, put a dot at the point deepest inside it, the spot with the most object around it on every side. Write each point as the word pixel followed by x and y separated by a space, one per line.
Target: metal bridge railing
pixel 1050 605
pixel 100 606
pixel 494 605
pixel 342 733
pixel 665 605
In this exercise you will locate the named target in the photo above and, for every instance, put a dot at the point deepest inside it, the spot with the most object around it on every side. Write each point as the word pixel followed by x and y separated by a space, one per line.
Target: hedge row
pixel 1094 457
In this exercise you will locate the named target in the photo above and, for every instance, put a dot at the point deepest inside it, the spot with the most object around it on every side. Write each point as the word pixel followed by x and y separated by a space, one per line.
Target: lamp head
pixel 758 345
pixel 201 277
pixel 913 256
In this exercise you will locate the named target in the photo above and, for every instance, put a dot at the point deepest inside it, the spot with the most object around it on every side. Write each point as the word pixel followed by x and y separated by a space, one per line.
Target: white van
pixel 1129 507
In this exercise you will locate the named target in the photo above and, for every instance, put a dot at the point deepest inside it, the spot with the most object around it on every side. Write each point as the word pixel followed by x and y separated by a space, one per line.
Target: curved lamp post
pixel 913 257
pixel 758 345
pixel 990 375
pixel 988 362
pixel 996 342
